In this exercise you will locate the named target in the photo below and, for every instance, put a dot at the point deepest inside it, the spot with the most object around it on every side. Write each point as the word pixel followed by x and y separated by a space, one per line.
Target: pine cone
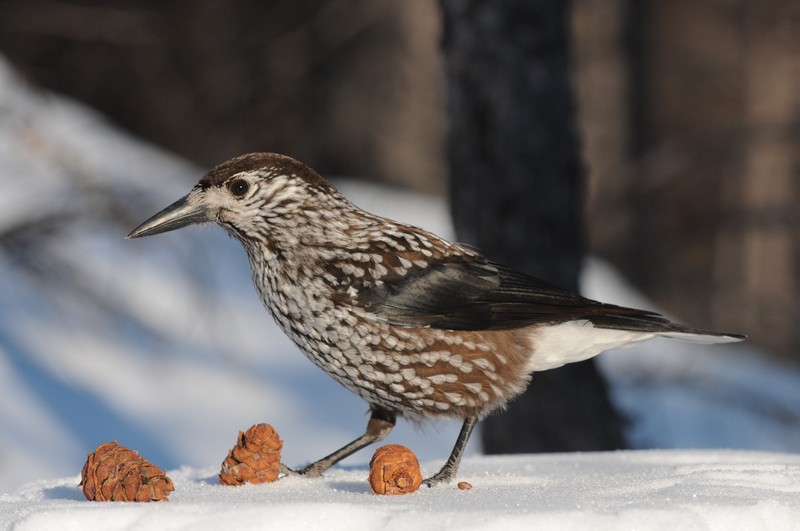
pixel 394 469
pixel 115 473
pixel 256 458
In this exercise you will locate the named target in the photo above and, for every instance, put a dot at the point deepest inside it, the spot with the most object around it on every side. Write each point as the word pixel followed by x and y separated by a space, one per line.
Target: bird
pixel 417 326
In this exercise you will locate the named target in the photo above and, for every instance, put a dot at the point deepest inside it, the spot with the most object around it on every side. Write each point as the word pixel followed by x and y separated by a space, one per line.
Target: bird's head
pixel 250 195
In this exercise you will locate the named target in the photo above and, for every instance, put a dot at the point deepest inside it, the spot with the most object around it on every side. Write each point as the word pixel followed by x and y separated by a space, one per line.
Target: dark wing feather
pixel 478 294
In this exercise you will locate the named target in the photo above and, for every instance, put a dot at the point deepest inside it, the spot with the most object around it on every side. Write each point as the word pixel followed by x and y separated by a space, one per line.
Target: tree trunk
pixel 516 190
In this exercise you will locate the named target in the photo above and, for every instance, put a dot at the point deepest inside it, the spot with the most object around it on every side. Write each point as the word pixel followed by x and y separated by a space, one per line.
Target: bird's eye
pixel 238 187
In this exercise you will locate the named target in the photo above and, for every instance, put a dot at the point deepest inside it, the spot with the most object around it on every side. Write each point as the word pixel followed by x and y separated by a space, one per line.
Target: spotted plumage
pixel 415 325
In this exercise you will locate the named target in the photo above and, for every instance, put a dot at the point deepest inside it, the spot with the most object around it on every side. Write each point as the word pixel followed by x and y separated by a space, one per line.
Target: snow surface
pixel 162 345
pixel 622 490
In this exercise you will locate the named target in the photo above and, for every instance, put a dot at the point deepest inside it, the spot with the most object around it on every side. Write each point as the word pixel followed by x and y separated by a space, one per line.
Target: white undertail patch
pixel 573 341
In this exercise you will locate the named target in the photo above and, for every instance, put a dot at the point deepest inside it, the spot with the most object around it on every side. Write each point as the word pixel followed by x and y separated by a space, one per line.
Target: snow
pixel 620 490
pixel 162 345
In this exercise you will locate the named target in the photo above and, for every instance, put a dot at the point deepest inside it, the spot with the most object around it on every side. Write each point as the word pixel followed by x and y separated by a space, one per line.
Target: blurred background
pixel 688 110
pixel 689 119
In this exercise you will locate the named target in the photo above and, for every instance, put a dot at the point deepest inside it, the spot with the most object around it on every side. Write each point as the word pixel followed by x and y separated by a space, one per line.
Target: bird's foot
pixel 311 471
pixel 288 472
pixel 445 475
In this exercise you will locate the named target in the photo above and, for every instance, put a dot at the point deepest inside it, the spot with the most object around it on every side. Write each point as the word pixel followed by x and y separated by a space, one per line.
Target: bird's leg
pixel 448 471
pixel 380 424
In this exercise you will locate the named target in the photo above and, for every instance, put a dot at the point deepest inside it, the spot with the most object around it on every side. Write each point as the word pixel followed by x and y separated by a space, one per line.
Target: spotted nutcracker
pixel 415 325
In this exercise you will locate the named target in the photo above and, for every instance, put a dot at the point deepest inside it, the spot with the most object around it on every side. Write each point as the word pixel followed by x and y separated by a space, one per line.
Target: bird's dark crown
pixel 272 163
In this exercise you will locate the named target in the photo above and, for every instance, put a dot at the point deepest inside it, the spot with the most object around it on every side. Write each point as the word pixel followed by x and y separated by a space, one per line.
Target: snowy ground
pixel 162 345
pixel 624 490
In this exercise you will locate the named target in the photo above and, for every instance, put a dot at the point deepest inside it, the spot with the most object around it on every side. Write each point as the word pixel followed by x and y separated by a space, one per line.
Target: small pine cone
pixel 256 458
pixel 394 469
pixel 115 473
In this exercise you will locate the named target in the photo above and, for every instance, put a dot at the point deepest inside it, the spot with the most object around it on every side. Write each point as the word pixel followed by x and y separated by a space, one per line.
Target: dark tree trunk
pixel 516 190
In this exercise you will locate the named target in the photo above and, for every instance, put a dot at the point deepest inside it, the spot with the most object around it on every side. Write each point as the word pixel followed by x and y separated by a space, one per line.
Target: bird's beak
pixel 187 210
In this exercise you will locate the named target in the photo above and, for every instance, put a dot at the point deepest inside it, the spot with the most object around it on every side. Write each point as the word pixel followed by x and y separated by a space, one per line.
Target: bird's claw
pixel 436 479
pixel 311 471
pixel 288 472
